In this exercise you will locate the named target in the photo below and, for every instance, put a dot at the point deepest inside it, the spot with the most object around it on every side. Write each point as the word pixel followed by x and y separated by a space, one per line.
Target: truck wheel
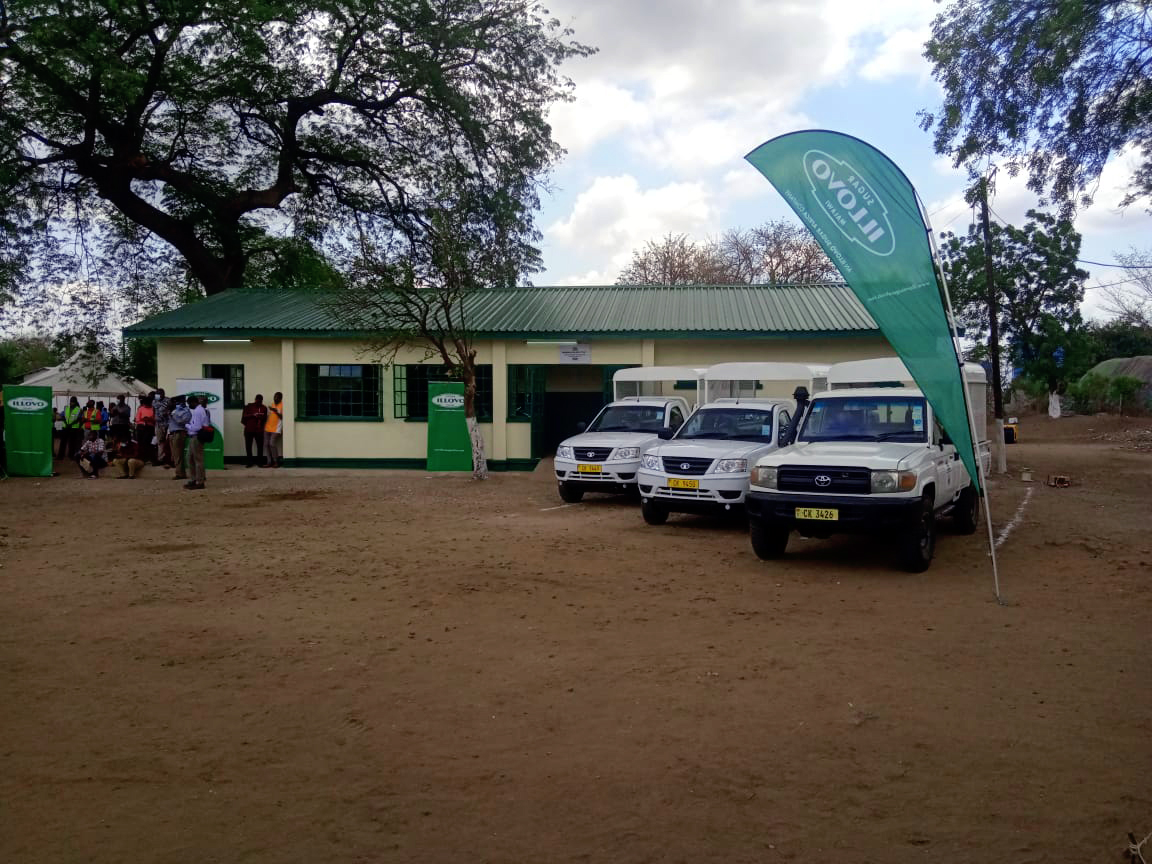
pixel 768 541
pixel 653 513
pixel 966 513
pixel 918 543
pixel 569 494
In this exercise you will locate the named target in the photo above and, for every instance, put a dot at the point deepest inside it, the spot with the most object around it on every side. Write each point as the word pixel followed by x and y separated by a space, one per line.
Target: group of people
pixel 96 437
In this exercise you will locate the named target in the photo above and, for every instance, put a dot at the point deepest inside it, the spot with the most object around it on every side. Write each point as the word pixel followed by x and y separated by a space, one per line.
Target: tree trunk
pixel 479 460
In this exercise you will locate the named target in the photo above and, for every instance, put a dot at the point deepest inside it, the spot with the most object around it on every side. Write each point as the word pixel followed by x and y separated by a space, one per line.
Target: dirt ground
pixel 305 666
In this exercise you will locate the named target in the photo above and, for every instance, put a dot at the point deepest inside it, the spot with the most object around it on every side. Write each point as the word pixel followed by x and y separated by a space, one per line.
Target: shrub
pixel 1123 389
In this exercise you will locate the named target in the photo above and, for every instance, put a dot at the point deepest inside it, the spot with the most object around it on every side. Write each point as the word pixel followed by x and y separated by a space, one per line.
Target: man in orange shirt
pixel 274 431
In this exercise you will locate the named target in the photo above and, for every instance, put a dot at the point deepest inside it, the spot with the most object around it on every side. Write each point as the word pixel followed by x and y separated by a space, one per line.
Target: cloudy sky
pixel 681 89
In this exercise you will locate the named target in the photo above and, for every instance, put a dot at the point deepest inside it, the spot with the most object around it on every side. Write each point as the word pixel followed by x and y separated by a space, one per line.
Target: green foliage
pixel 1039 289
pixel 1089 395
pixel 215 126
pixel 1123 389
pixel 1119 338
pixel 1056 86
pixel 24 354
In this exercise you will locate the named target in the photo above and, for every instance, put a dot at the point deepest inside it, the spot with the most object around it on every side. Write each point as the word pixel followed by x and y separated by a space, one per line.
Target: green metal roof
pixel 695 311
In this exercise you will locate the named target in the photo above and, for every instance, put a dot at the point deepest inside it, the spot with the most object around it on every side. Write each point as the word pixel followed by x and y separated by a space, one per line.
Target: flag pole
pixel 983 477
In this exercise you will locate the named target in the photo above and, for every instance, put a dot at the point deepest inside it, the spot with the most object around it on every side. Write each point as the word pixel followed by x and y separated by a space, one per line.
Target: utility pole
pixel 993 333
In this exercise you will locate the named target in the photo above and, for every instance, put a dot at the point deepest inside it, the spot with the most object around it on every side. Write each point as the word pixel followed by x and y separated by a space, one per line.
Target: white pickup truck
pixel 704 466
pixel 606 455
pixel 867 460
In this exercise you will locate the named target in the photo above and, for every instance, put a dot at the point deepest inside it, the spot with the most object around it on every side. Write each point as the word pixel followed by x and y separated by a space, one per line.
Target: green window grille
pixel 525 392
pixel 233 376
pixel 410 390
pixel 338 391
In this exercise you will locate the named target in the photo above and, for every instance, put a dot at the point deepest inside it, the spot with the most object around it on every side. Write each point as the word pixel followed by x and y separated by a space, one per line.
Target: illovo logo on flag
pixel 27 403
pixel 864 214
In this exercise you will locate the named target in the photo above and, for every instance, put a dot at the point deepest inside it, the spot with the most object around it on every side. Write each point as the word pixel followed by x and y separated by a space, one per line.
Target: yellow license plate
pixel 818 513
pixel 674 483
pixel 589 469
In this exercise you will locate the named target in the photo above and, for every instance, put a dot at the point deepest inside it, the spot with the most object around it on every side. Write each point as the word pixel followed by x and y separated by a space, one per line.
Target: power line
pixel 1005 223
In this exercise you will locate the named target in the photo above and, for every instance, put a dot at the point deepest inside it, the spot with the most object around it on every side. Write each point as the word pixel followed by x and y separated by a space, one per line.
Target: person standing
pixel 91 418
pixel 178 418
pixel 120 419
pixel 199 421
pixel 254 419
pixel 71 436
pixel 161 406
pixel 103 420
pixel 145 428
pixel 274 431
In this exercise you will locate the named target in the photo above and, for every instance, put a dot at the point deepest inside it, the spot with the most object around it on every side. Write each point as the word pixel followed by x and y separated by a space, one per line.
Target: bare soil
pixel 299 666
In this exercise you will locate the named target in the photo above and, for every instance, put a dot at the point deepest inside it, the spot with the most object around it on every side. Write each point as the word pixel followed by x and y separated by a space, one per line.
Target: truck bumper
pixel 855 514
pixel 713 492
pixel 612 476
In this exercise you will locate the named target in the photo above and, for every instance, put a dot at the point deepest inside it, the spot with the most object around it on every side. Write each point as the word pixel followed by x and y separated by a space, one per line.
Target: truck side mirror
pixel 581 426
pixel 666 433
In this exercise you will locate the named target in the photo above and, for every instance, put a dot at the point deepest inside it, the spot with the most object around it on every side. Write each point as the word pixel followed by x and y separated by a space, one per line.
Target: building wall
pixel 270 365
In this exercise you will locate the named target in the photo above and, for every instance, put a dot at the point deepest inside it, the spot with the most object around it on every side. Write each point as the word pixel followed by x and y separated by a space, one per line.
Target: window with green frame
pixel 525 392
pixel 233 377
pixel 410 390
pixel 347 391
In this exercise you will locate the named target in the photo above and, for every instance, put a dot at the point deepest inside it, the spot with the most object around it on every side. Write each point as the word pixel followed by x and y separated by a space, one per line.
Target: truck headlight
pixel 563 452
pixel 651 462
pixel 764 476
pixel 893 481
pixel 626 453
pixel 730 466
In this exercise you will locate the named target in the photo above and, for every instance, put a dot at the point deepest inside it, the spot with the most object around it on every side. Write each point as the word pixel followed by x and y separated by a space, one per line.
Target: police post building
pixel 546 355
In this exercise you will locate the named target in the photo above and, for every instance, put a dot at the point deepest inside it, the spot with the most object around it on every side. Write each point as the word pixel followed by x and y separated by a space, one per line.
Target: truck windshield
pixel 629 418
pixel 866 418
pixel 735 424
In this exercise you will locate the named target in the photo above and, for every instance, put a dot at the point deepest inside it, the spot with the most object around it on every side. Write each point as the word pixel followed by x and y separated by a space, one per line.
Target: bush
pixel 1089 395
pixel 1123 389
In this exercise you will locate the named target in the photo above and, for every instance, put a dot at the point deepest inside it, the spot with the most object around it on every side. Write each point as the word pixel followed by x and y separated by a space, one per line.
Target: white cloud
pixel 600 110
pixel 902 53
pixel 614 216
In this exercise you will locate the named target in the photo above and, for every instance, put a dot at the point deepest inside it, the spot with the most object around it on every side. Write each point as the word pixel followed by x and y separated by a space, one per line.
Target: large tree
pixel 1038 289
pixel 1054 86
pixel 775 252
pixel 228 130
pixel 411 288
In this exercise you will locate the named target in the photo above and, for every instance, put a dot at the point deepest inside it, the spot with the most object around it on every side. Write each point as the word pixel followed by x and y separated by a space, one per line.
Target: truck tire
pixel 918 542
pixel 569 494
pixel 966 513
pixel 768 540
pixel 653 512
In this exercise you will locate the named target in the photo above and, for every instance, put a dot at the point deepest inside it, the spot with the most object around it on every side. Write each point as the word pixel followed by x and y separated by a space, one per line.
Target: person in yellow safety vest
pixel 71 434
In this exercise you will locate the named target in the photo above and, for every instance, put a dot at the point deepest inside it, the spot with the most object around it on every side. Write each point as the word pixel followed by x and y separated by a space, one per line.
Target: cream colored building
pixel 546 355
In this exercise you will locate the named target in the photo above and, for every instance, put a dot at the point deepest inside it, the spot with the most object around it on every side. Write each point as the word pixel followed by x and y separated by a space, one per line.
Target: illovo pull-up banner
pixel 28 430
pixel 449 446
pixel 210 392
pixel 864 214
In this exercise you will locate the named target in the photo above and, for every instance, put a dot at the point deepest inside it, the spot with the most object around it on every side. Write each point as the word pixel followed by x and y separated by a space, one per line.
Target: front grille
pixel 591 454
pixel 686 466
pixel 844 481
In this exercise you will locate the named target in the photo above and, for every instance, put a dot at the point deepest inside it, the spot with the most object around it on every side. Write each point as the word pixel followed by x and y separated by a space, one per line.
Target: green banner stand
pixel 28 430
pixel 449 446
pixel 210 392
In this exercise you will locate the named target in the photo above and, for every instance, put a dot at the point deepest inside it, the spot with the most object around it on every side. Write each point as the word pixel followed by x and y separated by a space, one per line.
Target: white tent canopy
pixel 79 377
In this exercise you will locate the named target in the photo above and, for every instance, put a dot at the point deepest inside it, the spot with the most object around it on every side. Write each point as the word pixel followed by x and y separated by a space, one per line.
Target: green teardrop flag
pixel 863 212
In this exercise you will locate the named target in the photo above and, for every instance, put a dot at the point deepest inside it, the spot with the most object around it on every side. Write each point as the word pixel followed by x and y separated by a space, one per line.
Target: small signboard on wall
pixel 575 353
